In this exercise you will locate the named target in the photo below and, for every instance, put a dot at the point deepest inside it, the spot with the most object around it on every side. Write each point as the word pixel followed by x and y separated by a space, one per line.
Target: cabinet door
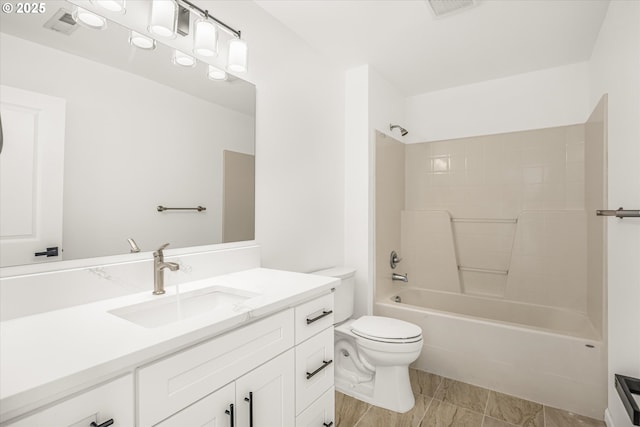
pixel 214 410
pixel 113 400
pixel 265 396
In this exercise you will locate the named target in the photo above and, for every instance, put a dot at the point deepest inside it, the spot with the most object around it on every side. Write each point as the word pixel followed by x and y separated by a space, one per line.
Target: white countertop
pixel 49 355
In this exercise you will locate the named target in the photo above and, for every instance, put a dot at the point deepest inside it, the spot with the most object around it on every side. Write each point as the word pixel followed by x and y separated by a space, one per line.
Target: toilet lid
pixel 386 329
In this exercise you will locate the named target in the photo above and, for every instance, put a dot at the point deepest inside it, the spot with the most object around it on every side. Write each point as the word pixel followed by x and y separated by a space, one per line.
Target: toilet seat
pixel 386 329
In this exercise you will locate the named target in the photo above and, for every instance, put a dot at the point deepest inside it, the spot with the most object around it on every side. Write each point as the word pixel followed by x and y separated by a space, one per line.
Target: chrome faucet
pixel 400 277
pixel 158 269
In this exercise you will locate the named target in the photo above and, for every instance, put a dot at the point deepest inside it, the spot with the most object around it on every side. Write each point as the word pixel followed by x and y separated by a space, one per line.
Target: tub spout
pixel 400 277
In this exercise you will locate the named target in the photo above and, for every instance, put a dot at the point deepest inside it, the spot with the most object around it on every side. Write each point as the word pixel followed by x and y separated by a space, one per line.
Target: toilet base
pixel 393 394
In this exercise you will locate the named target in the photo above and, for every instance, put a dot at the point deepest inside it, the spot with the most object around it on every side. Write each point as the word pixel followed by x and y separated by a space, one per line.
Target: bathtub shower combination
pixel 504 263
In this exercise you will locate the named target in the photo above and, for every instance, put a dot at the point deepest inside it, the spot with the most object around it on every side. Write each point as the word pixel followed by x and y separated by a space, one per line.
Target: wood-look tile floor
pixel 441 402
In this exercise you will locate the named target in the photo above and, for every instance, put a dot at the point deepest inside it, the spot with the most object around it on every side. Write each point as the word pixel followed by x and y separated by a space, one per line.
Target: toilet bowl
pixel 372 353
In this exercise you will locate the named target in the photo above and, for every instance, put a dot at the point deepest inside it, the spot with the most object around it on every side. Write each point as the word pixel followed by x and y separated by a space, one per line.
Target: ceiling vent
pixel 62 22
pixel 446 7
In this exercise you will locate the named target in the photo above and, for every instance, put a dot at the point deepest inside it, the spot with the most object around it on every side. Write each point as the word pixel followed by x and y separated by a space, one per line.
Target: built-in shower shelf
pixel 487 220
pixel 483 270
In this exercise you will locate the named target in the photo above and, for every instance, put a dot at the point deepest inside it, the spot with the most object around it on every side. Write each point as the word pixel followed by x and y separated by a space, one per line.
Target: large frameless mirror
pixel 99 134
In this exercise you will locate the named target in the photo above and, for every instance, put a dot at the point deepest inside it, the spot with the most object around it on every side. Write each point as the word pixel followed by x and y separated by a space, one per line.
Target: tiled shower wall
pixel 517 202
pixel 498 176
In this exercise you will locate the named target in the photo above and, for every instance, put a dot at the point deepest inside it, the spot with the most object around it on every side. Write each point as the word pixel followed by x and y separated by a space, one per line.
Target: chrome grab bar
pixel 619 213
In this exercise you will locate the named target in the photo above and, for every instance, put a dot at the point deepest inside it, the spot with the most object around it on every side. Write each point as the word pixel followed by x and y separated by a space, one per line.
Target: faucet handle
pixel 394 259
pixel 158 252
pixel 162 247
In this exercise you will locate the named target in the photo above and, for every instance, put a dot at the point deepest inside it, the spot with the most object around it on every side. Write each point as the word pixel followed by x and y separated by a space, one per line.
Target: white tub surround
pixel 50 355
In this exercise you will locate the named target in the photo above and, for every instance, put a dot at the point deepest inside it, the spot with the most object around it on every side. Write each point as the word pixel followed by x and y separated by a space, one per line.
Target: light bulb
pixel 116 6
pixel 237 56
pixel 205 38
pixel 163 18
pixel 180 58
pixel 141 41
pixel 216 73
pixel 89 19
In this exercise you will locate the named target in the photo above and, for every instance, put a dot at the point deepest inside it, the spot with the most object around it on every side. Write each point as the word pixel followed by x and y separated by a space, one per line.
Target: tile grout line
pixel 427 409
pixel 363 414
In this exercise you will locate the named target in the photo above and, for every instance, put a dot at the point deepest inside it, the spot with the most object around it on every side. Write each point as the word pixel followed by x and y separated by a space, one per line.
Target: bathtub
pixel 544 354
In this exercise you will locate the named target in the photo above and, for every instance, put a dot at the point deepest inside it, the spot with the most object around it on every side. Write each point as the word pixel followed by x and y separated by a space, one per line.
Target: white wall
pixel 372 104
pixel 540 99
pixel 615 69
pixel 125 154
pixel 299 142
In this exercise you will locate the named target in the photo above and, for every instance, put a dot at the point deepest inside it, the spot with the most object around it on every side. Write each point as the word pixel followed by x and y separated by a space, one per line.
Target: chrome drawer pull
pixel 324 314
pixel 325 363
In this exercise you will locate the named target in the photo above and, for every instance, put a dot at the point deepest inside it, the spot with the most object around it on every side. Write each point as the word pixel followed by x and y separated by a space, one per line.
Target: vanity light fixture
pixel 237 61
pixel 180 58
pixel 215 73
pixel 205 37
pixel 163 18
pixel 141 41
pixel 89 19
pixel 116 6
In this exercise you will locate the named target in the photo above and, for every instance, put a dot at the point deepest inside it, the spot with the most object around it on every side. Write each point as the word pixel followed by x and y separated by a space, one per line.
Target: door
pixel 31 176
pixel 265 397
pixel 238 197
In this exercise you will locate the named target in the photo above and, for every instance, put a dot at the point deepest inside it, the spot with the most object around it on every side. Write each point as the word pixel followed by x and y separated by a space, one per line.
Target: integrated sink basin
pixel 170 309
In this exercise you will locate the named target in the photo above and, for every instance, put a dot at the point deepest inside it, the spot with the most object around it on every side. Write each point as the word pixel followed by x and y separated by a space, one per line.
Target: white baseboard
pixel 607 418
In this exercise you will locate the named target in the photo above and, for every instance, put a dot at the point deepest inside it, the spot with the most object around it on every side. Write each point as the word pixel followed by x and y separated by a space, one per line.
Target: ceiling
pixel 417 52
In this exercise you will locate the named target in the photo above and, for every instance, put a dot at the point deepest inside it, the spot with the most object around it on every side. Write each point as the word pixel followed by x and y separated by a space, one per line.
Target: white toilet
pixel 372 353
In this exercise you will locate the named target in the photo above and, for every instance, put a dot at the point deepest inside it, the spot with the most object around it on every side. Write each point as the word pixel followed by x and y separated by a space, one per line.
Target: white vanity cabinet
pixel 214 410
pixel 264 396
pixel 111 401
pixel 172 384
pixel 273 372
pixel 314 369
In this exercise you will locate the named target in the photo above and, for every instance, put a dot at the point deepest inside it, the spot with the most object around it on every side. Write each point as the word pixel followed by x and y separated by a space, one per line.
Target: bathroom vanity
pixel 252 348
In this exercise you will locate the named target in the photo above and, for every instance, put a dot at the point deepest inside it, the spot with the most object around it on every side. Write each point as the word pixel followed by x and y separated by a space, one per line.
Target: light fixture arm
pixel 206 15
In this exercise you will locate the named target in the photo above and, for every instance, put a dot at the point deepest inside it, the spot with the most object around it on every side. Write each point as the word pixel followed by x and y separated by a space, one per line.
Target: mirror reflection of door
pixel 31 176
pixel 238 205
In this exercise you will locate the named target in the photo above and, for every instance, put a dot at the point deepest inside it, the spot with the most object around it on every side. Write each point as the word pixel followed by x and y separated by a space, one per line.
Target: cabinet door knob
pixel 230 413
pixel 250 400
pixel 104 424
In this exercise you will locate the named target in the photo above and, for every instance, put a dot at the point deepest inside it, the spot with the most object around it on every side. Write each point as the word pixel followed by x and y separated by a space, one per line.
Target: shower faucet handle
pixel 394 259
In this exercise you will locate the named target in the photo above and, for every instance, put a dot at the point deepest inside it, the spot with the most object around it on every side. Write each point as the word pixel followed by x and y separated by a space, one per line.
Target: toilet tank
pixel 344 293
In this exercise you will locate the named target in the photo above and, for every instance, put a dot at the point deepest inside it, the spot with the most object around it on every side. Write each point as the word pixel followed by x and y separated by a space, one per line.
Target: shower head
pixel 403 131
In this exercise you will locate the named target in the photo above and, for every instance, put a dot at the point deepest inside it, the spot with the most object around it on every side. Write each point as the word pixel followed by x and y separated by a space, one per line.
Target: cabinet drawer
pixel 209 411
pixel 167 386
pixel 113 400
pixel 314 368
pixel 320 413
pixel 312 317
